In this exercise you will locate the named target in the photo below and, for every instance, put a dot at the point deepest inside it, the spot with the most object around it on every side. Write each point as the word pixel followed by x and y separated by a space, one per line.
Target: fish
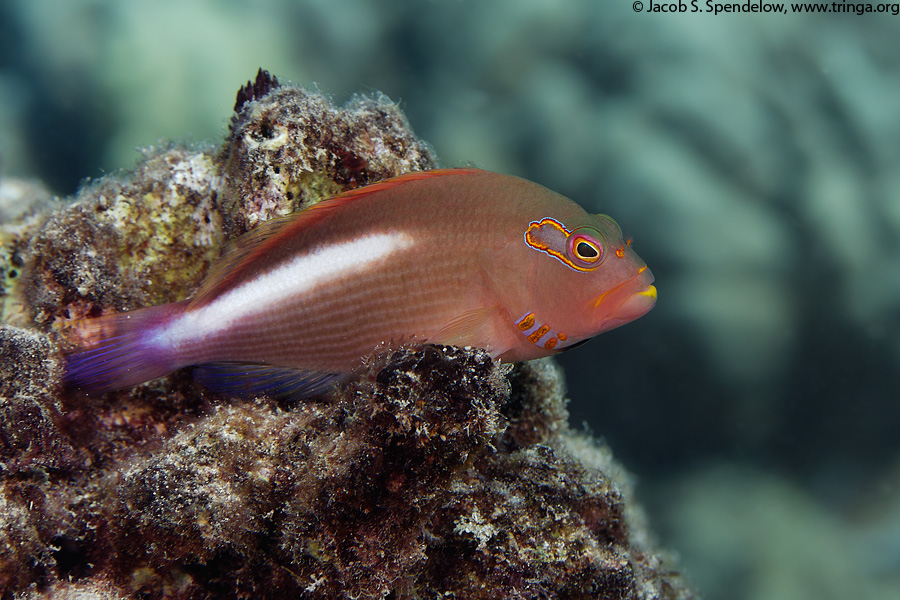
pixel 461 257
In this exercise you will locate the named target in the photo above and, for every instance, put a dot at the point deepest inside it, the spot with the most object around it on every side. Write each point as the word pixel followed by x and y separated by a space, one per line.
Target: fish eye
pixel 586 251
pixel 585 248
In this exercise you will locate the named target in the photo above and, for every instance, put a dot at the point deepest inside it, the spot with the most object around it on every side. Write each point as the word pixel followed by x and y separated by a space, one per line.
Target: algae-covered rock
pixel 433 472
pixel 23 207
pixel 289 149
pixel 127 241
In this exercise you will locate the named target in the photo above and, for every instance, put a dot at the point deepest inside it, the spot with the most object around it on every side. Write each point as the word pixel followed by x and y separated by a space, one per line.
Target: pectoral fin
pixel 481 328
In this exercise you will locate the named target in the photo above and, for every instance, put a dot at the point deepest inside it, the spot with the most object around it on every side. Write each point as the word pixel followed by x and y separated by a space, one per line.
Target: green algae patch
pixel 12 308
pixel 166 242
pixel 310 188
pixel 129 241
pixel 23 208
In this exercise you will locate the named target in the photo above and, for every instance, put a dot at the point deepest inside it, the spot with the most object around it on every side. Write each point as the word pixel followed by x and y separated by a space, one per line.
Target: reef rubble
pixel 433 472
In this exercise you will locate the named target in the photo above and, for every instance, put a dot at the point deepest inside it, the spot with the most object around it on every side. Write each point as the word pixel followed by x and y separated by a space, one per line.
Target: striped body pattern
pixel 457 256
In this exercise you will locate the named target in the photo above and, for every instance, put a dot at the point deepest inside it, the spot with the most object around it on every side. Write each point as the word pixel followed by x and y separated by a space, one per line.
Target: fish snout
pixel 637 305
pixel 626 302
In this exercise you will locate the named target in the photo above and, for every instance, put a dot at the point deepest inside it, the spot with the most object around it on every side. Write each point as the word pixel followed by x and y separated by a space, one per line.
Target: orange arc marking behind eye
pixel 538 245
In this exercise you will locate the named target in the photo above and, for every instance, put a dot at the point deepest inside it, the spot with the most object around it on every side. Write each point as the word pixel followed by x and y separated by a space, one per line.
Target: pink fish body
pixel 457 256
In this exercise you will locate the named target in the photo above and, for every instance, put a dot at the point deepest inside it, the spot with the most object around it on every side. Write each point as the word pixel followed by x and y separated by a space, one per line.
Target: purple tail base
pixel 121 352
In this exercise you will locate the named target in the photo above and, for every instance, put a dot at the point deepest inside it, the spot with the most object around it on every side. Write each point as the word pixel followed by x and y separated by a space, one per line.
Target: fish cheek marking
pixel 526 322
pixel 536 332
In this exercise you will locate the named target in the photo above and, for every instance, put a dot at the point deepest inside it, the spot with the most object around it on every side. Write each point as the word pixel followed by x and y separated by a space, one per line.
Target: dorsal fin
pixel 243 253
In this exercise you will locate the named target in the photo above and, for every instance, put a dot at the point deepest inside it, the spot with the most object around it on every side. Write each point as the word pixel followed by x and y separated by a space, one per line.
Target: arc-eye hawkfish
pixel 457 256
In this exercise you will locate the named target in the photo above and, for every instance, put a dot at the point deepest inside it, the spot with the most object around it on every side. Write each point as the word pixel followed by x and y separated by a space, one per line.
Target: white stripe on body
pixel 302 275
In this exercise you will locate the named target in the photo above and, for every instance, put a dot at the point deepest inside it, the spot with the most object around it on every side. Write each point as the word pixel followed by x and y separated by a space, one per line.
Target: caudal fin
pixel 118 351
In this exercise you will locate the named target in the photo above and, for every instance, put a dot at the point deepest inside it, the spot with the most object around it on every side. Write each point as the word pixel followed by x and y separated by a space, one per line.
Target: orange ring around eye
pixel 586 250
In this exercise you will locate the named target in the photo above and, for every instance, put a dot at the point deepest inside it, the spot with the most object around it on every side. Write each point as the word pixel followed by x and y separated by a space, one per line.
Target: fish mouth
pixel 626 302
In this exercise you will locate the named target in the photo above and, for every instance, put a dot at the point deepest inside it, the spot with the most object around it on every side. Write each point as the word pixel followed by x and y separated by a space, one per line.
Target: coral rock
pixel 432 472
pixel 143 239
pixel 30 373
pixel 292 148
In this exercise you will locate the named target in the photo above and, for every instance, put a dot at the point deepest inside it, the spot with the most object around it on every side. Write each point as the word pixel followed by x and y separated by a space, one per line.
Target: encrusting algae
pixel 432 472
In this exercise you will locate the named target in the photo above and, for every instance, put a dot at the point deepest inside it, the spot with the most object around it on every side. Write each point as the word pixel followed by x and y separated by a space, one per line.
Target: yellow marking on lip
pixel 551 343
pixel 562 337
pixel 650 292
pixel 646 292
pixel 538 334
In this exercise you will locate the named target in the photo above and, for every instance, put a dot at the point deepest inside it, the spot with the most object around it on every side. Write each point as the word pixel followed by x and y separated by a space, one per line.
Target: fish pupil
pixel 585 250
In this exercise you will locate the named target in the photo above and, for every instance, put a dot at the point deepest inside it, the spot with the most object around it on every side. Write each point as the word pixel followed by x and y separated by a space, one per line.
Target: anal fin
pixel 249 379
